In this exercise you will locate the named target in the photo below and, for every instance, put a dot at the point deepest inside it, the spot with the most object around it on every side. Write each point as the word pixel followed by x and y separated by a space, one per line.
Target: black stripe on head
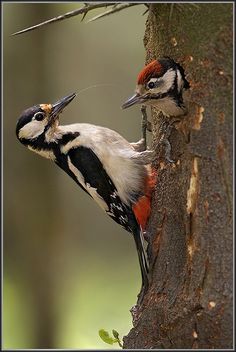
pixel 181 70
pixel 26 117
pixel 168 63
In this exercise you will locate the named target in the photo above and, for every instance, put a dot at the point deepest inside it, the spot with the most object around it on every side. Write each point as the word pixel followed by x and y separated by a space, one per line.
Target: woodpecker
pixel 161 84
pixel 115 173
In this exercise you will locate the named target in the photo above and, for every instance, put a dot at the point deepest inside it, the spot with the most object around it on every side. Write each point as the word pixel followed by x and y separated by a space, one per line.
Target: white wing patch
pixel 72 144
pixel 91 190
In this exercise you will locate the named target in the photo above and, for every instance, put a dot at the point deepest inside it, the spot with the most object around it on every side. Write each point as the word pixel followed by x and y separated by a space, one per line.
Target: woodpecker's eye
pixel 39 116
pixel 151 85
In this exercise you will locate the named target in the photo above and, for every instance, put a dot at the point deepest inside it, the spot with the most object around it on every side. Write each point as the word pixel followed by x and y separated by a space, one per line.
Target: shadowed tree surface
pixel 189 302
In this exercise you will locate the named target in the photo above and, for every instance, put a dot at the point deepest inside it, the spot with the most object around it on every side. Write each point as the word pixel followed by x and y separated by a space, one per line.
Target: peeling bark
pixel 189 301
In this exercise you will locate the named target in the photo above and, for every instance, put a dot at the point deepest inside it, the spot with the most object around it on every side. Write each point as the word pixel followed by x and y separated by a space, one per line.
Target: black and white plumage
pixel 111 170
pixel 161 84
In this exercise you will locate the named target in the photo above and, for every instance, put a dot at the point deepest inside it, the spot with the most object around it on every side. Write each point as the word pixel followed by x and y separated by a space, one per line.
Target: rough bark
pixel 189 302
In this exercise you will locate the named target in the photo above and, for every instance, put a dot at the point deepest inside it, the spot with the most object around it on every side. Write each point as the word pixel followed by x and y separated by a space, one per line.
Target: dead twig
pixel 113 10
pixel 82 11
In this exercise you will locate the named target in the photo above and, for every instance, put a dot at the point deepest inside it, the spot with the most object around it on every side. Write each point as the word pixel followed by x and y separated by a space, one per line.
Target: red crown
pixel 148 71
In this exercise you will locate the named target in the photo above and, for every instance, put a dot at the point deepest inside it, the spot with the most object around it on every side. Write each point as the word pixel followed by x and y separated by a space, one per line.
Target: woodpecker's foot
pixel 146 125
pixel 139 146
pixel 145 157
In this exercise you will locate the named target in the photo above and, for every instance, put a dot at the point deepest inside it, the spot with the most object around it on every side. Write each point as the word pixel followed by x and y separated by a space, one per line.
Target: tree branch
pixel 114 10
pixel 82 11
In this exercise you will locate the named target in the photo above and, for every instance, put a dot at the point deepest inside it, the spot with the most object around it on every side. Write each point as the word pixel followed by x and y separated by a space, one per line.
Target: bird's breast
pixel 115 154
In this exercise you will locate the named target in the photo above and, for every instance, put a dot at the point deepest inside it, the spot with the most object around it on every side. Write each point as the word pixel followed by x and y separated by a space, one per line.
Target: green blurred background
pixel 69 270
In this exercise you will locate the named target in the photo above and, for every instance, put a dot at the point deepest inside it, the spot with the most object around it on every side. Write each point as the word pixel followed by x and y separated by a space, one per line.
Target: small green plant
pixel 107 338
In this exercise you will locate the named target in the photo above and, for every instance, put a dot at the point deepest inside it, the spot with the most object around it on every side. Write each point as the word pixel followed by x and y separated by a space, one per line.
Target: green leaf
pixel 106 337
pixel 115 334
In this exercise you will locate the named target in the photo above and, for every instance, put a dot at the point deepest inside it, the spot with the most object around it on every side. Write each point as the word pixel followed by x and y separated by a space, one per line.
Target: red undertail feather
pixel 142 208
pixel 148 71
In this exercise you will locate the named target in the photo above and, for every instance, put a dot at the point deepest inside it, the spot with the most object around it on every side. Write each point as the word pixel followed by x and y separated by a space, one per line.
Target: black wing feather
pixel 62 162
pixel 89 165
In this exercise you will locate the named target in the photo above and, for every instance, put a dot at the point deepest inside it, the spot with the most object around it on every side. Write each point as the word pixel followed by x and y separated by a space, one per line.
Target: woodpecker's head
pixel 161 84
pixel 37 120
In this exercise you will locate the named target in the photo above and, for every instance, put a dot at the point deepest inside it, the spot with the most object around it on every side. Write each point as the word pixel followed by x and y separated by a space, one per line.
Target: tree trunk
pixel 189 301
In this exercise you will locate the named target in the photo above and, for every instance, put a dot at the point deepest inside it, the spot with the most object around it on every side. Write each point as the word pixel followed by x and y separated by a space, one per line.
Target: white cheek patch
pixel 91 190
pixel 32 129
pixel 168 79
pixel 166 82
pixel 179 81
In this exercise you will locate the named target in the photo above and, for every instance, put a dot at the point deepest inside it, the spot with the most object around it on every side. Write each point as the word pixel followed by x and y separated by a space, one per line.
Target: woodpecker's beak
pixel 135 99
pixel 60 105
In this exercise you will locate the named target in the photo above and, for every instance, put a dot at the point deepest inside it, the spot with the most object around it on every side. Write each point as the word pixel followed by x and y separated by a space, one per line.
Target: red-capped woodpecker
pixel 114 172
pixel 161 84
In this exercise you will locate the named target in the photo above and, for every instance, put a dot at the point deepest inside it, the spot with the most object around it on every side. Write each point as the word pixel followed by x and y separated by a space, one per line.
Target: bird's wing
pixel 90 173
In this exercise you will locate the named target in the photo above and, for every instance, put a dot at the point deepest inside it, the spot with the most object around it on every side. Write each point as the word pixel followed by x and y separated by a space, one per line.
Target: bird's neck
pixel 170 107
pixel 48 144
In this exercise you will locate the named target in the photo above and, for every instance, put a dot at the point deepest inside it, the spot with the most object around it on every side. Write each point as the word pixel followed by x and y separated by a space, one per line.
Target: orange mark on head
pixel 142 208
pixel 152 69
pixel 46 107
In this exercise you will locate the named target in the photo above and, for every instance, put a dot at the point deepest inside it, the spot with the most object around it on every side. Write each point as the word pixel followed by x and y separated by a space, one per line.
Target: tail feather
pixel 138 238
pixel 143 262
pixel 138 217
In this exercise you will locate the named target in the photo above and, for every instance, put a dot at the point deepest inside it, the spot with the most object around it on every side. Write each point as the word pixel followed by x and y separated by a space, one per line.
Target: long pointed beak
pixel 60 105
pixel 135 99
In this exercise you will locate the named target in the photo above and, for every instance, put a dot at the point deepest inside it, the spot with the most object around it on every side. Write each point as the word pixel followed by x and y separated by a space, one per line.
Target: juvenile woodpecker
pixel 161 84
pixel 114 172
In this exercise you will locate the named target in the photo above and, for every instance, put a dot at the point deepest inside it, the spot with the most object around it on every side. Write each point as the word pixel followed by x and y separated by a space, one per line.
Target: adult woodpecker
pixel 161 84
pixel 114 172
